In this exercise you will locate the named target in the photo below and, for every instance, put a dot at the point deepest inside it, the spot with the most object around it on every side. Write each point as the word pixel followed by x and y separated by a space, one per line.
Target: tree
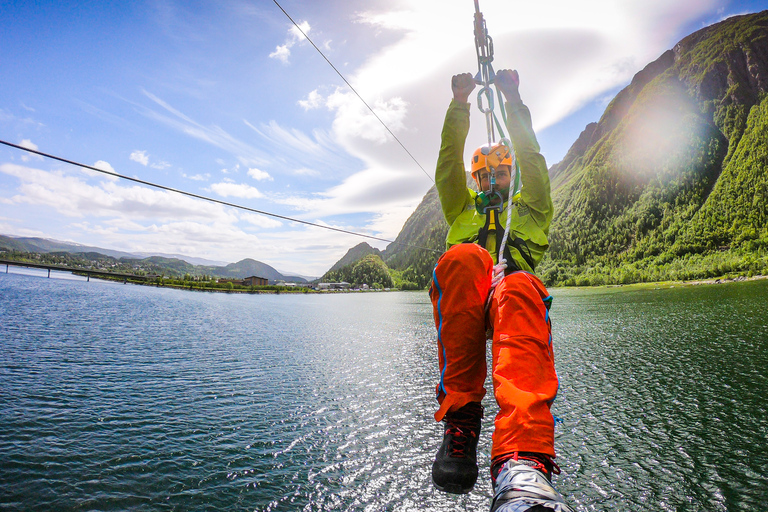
pixel 371 270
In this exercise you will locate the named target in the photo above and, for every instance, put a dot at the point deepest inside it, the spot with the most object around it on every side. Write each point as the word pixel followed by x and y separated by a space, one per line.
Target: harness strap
pixel 492 227
pixel 519 244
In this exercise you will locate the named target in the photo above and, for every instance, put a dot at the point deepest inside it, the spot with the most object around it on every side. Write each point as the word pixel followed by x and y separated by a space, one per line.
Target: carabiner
pixel 488 94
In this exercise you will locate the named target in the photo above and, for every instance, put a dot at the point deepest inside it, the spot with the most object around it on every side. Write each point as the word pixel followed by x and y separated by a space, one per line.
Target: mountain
pixel 356 253
pixel 157 264
pixel 418 245
pixel 249 267
pixel 290 275
pixel 671 183
pixel 421 241
pixel 44 245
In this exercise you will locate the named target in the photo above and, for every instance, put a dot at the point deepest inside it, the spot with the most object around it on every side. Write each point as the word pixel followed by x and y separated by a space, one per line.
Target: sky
pixel 229 100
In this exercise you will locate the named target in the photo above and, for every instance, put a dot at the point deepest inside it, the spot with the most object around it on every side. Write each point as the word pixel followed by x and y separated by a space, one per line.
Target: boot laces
pixel 538 461
pixel 462 426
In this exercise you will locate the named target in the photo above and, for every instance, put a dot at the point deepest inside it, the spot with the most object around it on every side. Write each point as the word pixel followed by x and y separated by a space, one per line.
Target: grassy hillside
pixel 353 255
pixel 671 183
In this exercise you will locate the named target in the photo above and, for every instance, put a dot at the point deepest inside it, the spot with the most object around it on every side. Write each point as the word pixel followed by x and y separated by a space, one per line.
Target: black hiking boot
pixel 455 466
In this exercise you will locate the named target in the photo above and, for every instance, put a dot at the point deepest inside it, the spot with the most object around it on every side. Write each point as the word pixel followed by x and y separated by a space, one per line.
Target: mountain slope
pixel 355 254
pixel 421 241
pixel 675 169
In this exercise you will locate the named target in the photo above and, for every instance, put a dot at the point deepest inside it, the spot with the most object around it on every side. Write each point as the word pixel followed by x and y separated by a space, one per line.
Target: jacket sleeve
pixel 533 168
pixel 450 176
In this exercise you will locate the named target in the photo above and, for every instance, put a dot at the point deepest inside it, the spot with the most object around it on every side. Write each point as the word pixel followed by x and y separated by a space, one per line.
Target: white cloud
pixel 280 137
pixel 314 100
pixel 213 135
pixel 26 157
pixel 259 175
pixel 26 143
pixel 354 119
pixel 143 158
pixel 567 52
pixel 198 177
pixel 283 52
pixel 72 197
pixel 262 221
pixel 306 172
pixel 104 166
pixel 140 157
pixel 160 165
pixel 229 189
pixel 298 35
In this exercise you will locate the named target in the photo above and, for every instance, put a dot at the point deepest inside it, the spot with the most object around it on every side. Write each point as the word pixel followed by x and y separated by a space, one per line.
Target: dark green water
pixel 118 397
pixel 667 397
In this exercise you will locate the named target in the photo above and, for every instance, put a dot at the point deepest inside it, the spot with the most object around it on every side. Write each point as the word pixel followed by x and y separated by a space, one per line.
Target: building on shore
pixel 255 281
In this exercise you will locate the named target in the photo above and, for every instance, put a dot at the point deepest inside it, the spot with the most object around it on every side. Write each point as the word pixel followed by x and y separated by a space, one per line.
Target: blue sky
pixel 227 100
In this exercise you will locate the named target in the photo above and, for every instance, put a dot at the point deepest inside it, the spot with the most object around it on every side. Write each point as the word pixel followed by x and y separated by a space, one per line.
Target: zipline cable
pixel 354 91
pixel 210 199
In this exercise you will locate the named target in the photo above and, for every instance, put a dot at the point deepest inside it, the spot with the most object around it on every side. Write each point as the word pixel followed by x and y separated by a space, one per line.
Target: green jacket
pixel 531 214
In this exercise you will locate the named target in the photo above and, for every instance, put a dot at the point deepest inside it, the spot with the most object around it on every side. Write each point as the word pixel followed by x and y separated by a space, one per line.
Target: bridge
pixel 87 272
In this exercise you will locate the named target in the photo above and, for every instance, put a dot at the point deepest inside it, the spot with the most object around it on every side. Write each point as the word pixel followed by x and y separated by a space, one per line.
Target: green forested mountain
pixel 369 270
pixel 353 255
pixel 420 242
pixel 671 183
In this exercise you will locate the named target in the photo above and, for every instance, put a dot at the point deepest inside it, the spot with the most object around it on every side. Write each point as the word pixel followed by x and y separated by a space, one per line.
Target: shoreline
pixel 306 290
pixel 668 284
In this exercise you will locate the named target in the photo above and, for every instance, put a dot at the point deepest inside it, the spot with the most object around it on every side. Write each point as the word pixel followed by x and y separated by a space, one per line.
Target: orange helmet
pixel 487 156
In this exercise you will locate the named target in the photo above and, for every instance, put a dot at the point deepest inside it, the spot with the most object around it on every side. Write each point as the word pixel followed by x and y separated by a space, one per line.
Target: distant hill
pixel 249 267
pixel 43 245
pixel 171 266
pixel 355 254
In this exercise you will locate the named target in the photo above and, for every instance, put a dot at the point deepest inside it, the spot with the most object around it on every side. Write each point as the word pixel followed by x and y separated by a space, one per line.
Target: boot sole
pixel 453 488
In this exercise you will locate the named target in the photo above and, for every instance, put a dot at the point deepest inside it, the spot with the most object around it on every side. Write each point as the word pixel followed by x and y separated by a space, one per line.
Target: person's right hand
pixel 461 85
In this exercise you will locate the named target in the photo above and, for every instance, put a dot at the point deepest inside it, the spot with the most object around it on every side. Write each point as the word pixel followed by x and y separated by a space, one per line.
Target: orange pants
pixel 524 380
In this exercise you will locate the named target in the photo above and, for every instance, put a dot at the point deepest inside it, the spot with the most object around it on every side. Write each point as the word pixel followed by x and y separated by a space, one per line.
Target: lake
pixel 122 397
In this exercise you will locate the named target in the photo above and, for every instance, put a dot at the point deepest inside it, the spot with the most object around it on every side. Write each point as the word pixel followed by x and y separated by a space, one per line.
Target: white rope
pixel 501 266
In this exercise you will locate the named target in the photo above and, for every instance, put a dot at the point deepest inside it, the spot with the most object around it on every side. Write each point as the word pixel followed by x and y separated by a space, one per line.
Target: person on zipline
pixel 472 292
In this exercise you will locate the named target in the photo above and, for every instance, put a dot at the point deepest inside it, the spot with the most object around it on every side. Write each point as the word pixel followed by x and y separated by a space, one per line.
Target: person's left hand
pixel 508 81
